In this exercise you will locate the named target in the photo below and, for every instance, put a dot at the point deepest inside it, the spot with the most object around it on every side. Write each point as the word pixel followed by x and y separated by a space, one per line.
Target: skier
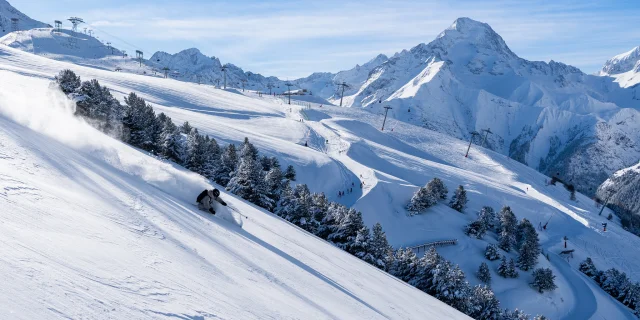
pixel 205 197
pixel 305 144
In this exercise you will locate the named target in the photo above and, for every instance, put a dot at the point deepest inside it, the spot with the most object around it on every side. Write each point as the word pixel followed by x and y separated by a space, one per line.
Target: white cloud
pixel 251 34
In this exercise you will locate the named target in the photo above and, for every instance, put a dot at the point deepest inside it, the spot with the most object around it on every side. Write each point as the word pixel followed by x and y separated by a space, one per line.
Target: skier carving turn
pixel 206 197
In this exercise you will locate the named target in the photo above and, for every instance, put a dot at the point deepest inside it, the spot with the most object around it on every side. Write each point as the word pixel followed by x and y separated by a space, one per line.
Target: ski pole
pixel 238 212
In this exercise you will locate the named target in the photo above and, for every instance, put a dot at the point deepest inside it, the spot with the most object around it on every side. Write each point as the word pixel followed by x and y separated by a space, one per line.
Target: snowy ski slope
pixel 344 145
pixel 94 229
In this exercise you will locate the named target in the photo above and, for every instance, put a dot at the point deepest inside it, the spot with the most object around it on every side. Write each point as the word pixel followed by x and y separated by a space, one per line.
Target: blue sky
pixel 295 38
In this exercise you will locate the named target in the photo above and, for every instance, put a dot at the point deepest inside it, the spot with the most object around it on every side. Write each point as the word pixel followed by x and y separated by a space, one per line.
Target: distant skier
pixel 205 197
pixel 305 144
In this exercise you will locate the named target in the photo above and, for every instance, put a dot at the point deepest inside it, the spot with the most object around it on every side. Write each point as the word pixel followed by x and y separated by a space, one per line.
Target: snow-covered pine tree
pixel 426 267
pixel 273 184
pixel 491 252
pixel 361 247
pixel 459 200
pixel 528 257
pixel 174 145
pixel 524 232
pixel 300 215
pixel 389 259
pixel 228 165
pixel 248 149
pixel 196 152
pixel 540 317
pixel 156 133
pixel 379 246
pixel 405 265
pixel 186 127
pixel 613 282
pixel 420 201
pixel 318 209
pixel 483 273
pixel 68 81
pixel 507 229
pixel 484 304
pixel 528 245
pixel 503 268
pixel 212 157
pixel 437 188
pixel 511 269
pixel 587 267
pixel 290 173
pixel 454 289
pixel 286 202
pixel 331 220
pixel 266 163
pixel 90 104
pixel 488 216
pixel 248 181
pixel 543 279
pixel 275 163
pixel 631 296
pixel 514 315
pixel 138 122
pixel 97 105
pixel 347 230
pixel 476 229
pixel 161 120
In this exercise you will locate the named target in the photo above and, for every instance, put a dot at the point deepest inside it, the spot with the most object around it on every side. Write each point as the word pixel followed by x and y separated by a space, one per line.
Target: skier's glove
pixel 223 203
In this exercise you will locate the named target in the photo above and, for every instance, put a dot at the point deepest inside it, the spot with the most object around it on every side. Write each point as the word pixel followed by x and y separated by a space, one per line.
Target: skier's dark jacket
pixel 201 196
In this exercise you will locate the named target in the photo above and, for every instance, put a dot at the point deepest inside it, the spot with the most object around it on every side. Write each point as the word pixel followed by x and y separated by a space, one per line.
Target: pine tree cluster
pixel 428 196
pixel 507 229
pixel 527 244
pixel 438 277
pixel 616 284
pixel 491 253
pixel 507 269
pixel 459 200
pixel 260 180
pixel 543 279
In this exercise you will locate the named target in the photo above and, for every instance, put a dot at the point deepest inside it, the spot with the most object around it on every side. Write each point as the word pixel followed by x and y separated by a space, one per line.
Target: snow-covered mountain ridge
pixel 8 12
pixel 623 189
pixel 550 116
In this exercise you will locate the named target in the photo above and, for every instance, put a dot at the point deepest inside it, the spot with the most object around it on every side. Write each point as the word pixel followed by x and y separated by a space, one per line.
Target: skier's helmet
pixel 216 193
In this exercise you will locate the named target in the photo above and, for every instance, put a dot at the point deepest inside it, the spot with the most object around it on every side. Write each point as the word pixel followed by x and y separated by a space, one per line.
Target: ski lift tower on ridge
pixel 139 56
pixel 58 24
pixel 75 21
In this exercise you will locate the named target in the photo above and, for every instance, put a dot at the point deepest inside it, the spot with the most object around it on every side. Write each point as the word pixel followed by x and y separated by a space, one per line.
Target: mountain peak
pixel 465 25
pixel 475 33
pixel 622 62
